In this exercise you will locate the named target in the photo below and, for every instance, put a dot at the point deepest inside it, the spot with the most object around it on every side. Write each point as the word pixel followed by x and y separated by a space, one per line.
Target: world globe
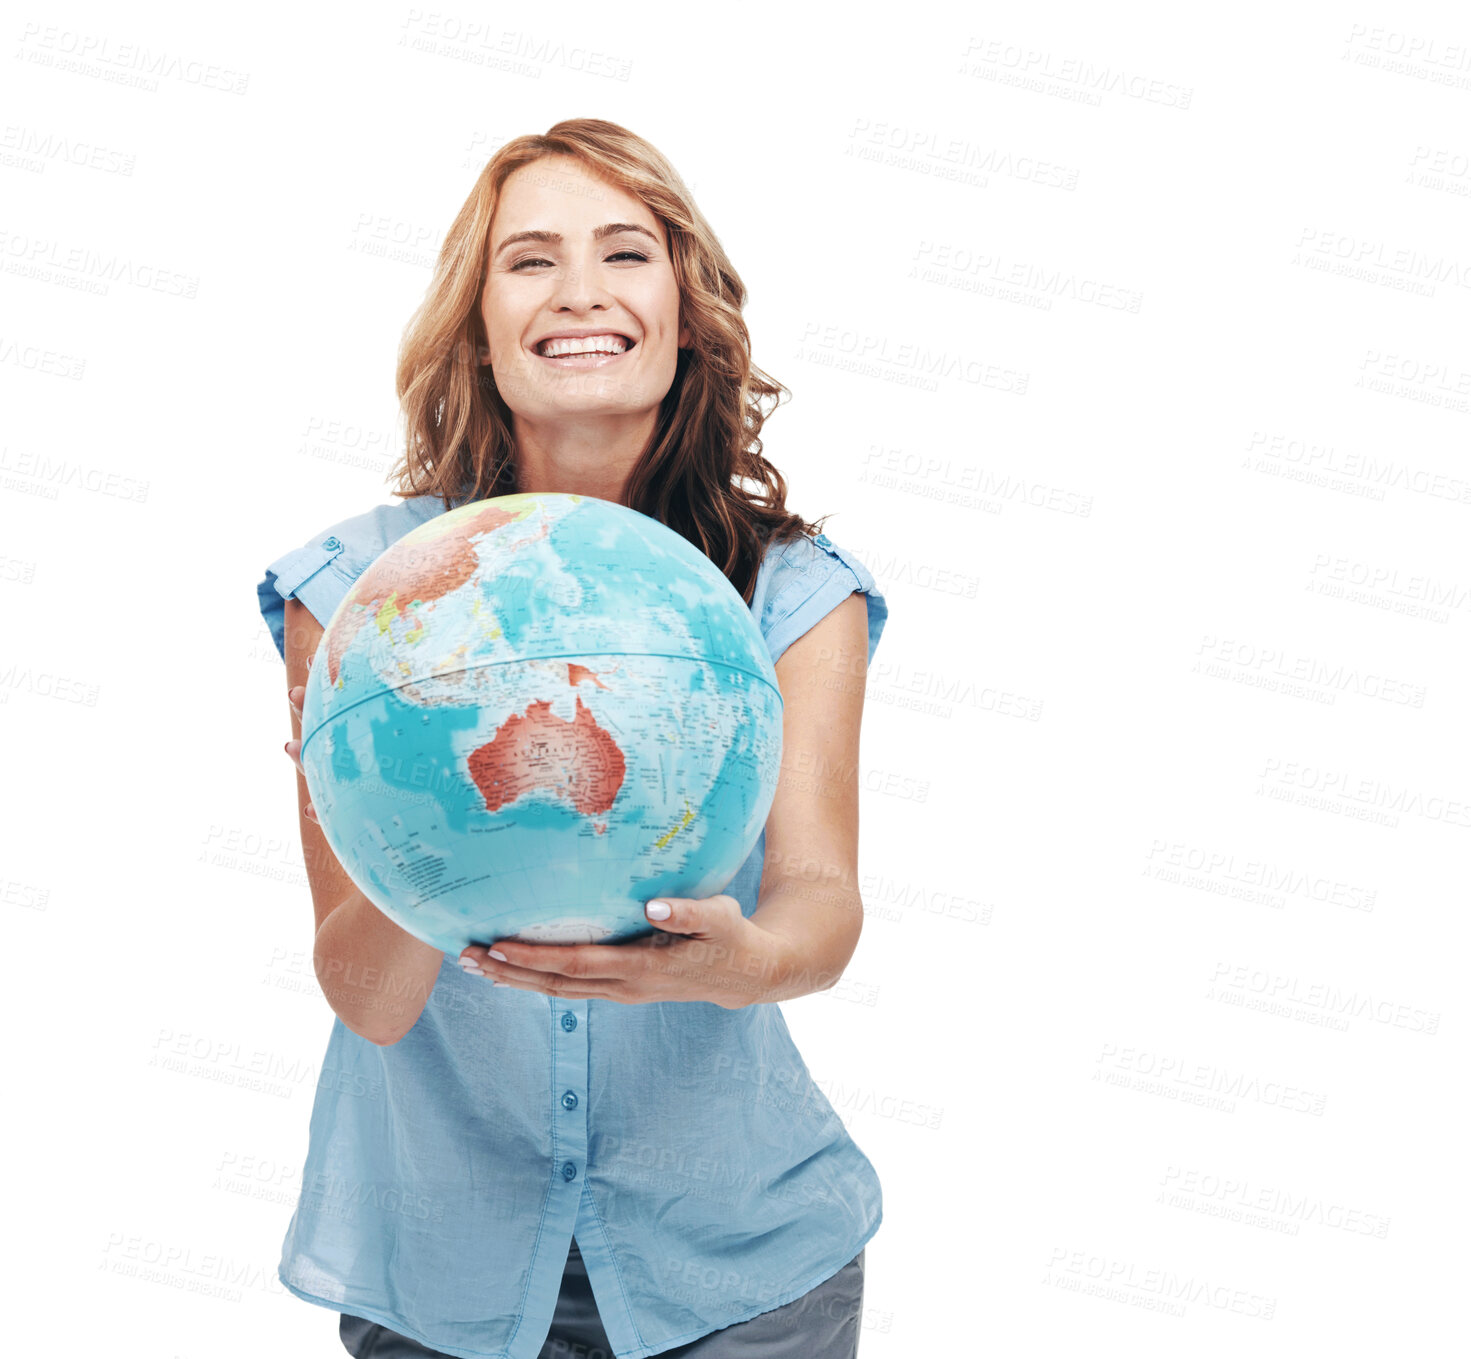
pixel 534 713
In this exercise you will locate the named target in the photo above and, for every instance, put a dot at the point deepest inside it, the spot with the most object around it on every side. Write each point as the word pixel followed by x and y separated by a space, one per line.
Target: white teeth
pixel 588 344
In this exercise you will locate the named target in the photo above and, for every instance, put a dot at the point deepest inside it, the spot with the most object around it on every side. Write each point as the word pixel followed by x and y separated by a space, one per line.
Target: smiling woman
pixel 618 1147
pixel 590 228
pixel 582 325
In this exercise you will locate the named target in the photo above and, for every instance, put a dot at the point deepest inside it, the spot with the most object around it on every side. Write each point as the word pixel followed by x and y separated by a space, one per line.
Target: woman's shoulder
pixel 319 570
pixel 802 578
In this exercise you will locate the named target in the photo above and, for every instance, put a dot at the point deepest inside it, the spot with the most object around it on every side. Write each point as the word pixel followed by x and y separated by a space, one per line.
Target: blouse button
pixel 331 544
pixel 569 1020
pixel 569 1171
pixel 569 1100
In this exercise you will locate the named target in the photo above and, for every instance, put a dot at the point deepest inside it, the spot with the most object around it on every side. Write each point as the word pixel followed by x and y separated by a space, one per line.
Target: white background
pixel 1129 350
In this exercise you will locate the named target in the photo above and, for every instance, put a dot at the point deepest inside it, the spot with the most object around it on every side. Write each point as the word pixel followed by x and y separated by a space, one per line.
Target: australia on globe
pixel 534 713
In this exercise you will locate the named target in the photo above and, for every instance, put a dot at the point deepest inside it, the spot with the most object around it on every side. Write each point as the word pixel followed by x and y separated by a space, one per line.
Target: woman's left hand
pixel 705 950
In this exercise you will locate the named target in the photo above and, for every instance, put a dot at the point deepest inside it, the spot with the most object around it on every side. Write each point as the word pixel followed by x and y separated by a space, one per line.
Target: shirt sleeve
pixel 323 569
pixel 314 573
pixel 815 577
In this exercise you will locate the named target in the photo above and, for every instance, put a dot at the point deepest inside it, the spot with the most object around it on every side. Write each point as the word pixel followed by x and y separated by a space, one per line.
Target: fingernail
pixel 312 812
pixel 470 965
pixel 497 955
pixel 291 747
pixel 500 983
pixel 657 910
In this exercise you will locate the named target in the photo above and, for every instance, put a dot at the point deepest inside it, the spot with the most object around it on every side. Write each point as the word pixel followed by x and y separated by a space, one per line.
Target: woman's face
pixel 579 277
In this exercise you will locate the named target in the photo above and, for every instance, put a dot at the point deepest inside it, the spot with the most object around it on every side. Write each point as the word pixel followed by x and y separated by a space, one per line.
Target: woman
pixel 622 1150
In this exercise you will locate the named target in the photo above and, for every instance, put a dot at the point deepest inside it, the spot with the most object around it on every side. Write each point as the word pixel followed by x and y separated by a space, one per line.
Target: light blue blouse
pixel 703 1173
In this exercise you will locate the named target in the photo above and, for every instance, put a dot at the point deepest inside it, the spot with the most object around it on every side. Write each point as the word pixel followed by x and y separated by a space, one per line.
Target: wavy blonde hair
pixel 703 473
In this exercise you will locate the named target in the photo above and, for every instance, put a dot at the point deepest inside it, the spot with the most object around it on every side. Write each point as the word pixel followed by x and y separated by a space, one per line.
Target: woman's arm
pixel 809 881
pixel 376 976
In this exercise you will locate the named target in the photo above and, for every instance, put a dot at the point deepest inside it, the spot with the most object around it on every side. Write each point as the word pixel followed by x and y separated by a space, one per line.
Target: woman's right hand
pixel 293 748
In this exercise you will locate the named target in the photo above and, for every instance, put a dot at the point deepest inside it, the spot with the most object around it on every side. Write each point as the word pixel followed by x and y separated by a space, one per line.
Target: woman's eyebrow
pixel 555 237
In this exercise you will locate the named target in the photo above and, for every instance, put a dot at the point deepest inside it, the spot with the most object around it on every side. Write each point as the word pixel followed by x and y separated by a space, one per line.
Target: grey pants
pixel 822 1324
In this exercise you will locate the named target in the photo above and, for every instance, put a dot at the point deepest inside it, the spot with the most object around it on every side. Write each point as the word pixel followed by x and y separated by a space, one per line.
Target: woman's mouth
pixel 596 351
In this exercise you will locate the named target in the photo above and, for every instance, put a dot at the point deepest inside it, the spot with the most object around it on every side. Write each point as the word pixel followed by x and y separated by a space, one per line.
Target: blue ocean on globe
pixel 534 713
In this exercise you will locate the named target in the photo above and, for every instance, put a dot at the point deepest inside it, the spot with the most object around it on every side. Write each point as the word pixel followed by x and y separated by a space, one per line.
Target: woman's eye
pixel 622 254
